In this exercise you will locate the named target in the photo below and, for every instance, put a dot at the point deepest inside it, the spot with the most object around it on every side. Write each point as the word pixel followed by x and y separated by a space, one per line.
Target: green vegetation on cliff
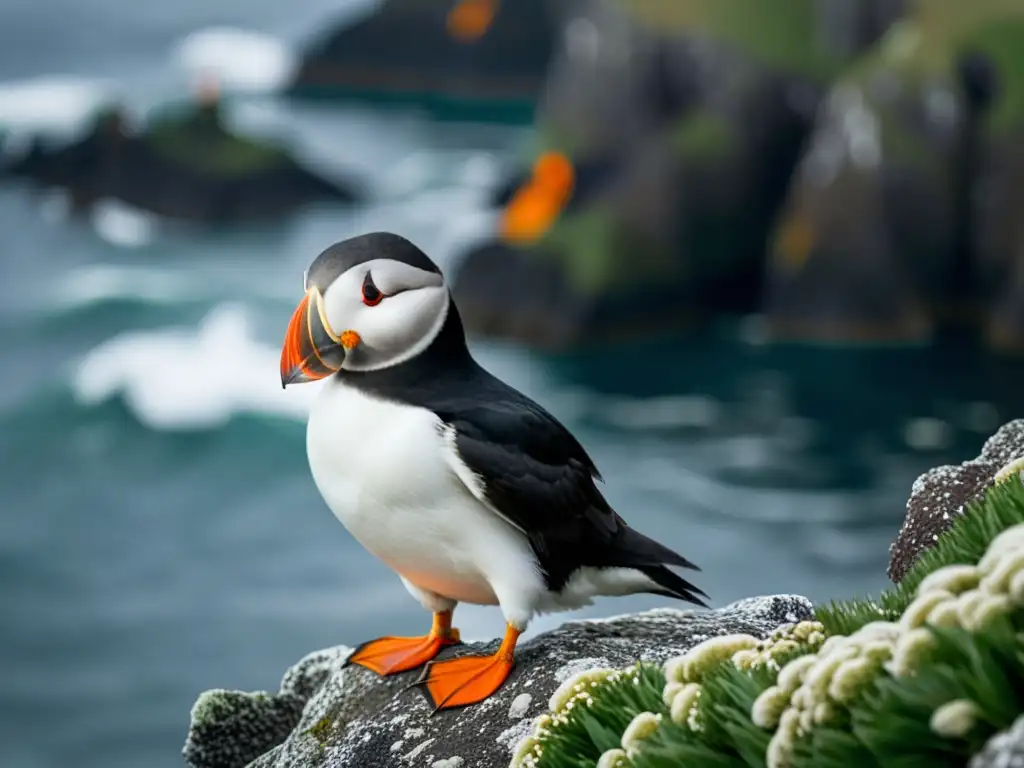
pixel 925 675
pixel 784 35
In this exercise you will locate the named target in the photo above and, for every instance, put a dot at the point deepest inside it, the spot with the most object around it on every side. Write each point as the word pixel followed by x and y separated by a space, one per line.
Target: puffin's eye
pixel 371 294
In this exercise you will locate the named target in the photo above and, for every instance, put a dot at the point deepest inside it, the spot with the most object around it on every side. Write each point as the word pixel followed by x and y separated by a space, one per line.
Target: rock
pixel 939 496
pixel 1004 750
pixel 352 717
pixel 877 239
pixel 682 129
pixel 183 166
pixel 464 58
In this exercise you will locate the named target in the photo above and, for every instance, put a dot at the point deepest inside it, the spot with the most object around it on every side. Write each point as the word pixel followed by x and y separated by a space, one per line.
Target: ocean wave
pixel 52 102
pixel 121 224
pixel 178 379
pixel 241 60
pixel 100 283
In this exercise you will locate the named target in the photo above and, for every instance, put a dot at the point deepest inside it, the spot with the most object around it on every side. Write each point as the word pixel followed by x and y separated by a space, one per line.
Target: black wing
pixel 538 476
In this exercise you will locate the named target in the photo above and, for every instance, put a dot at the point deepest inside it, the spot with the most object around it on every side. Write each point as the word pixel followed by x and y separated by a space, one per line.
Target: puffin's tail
pixel 635 550
pixel 672 585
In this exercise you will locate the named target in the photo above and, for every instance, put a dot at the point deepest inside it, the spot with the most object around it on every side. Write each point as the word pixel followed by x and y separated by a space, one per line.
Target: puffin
pixel 465 487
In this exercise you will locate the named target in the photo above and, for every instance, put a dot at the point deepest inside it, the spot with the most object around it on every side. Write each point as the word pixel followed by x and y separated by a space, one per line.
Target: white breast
pixel 387 472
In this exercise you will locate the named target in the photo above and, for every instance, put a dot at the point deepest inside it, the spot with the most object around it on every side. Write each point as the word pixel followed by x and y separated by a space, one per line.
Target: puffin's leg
pixel 468 679
pixel 391 655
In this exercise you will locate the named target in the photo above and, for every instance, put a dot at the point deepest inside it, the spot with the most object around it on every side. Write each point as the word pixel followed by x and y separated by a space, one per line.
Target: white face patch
pixel 397 328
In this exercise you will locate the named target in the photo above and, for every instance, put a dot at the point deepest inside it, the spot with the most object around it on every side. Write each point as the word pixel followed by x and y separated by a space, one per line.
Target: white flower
pixel 706 656
pixel 746 659
pixel 1003 569
pixel 850 677
pixel 780 748
pixel 1017 587
pixel 952 578
pixel 967 604
pixel 954 719
pixel 640 728
pixel 910 650
pixel 683 704
pixel 613 758
pixel 945 614
pixel 990 608
pixel 669 694
pixel 768 707
pixel 918 611
pixel 823 712
pixel 1009 470
pixel 1009 541
pixel 794 673
pixel 575 685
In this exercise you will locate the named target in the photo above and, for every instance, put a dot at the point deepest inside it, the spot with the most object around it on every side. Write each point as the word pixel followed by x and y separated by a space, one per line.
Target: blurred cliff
pixel 845 167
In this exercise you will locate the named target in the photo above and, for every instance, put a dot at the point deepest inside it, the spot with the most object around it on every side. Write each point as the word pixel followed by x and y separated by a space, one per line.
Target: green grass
pixel 885 723
pixel 965 542
pixel 226 154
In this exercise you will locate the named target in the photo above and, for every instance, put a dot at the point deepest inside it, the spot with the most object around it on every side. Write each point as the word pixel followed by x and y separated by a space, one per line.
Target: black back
pixel 534 471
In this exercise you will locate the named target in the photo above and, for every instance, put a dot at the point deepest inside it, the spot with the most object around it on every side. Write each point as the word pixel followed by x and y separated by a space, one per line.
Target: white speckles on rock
pixel 939 496
pixel 379 721
pixel 576 666
pixel 512 737
pixel 1004 750
pixel 448 762
pixel 520 704
pixel 416 751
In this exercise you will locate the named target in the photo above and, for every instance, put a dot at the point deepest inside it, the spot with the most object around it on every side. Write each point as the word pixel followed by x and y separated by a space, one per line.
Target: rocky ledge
pixel 332 716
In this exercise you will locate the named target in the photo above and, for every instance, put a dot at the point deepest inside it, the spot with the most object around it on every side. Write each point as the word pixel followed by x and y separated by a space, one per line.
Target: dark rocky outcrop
pixel 940 495
pixel 879 236
pixel 338 717
pixel 184 166
pixel 695 114
pixel 461 57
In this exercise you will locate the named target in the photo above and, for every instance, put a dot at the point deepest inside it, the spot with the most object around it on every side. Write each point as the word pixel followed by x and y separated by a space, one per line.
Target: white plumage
pixel 391 474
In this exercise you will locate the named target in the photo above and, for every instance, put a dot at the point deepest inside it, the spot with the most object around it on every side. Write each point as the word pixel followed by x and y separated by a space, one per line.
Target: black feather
pixel 534 471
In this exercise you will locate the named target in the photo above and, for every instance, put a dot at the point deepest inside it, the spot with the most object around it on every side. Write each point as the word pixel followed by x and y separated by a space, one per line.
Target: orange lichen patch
pixel 469 20
pixel 391 655
pixel 350 339
pixel 554 172
pixel 795 240
pixel 536 205
pixel 469 679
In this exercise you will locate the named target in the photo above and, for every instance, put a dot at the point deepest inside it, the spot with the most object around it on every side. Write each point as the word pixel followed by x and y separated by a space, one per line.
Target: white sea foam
pixel 121 224
pixel 241 60
pixel 51 102
pixel 191 378
pixel 97 283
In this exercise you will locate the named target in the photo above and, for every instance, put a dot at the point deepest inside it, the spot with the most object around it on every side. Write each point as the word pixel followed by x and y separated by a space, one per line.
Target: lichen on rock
pixel 942 494
pixel 348 716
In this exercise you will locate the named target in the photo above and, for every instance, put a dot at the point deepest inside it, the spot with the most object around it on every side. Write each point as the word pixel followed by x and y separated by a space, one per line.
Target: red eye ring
pixel 372 295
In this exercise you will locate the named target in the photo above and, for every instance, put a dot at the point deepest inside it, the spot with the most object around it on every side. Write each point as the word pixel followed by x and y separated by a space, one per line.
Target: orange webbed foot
pixel 391 655
pixel 468 679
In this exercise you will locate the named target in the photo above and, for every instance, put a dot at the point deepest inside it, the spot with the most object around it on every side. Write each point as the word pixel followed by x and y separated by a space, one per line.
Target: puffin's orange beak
pixel 536 205
pixel 311 349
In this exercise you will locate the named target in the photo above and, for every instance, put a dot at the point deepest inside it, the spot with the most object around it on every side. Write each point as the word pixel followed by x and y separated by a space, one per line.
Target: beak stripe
pixel 309 331
pixel 323 318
